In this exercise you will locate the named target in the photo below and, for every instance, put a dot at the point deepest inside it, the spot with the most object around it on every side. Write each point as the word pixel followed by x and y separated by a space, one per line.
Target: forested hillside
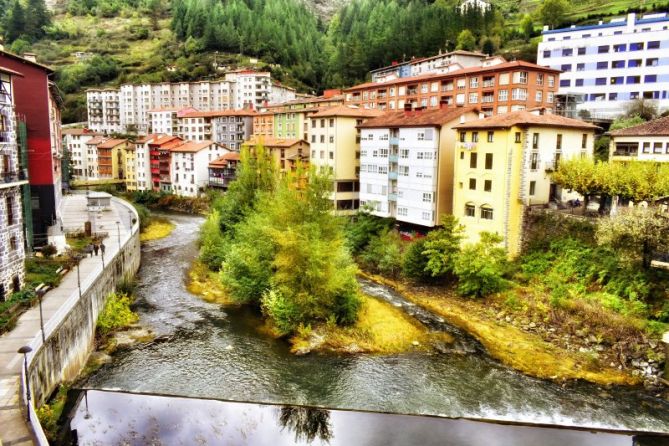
pixel 103 42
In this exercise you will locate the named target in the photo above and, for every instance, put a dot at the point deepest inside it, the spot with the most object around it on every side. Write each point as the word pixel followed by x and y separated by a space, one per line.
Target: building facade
pixel 143 161
pixel 503 166
pixel 438 64
pixel 406 164
pixel 645 142
pixel 189 168
pixel 160 158
pixel 606 66
pixel 223 170
pixel 226 127
pixel 496 87
pixel 165 121
pixel 263 124
pixel 104 110
pixel 286 153
pixel 110 159
pixel 36 102
pixel 12 179
pixel 75 142
pixel 335 148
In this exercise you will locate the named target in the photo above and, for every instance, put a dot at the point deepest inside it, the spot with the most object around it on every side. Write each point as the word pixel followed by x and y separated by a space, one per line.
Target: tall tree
pixel 466 40
pixel 37 17
pixel 553 12
pixel 15 22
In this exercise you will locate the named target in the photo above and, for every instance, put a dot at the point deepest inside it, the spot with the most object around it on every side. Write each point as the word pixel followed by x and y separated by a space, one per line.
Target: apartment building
pixel 291 120
pixel 406 163
pixel 125 110
pixel 496 87
pixel 263 124
pixel 92 172
pixel 189 169
pixel 143 161
pixel 644 142
pixel 160 158
pixel 287 153
pixel 223 170
pixel 104 110
pixel 36 102
pixel 605 66
pixel 110 159
pixel 128 166
pixel 503 165
pixel 12 179
pixel 437 64
pixel 75 142
pixel 165 121
pixel 229 128
pixel 335 148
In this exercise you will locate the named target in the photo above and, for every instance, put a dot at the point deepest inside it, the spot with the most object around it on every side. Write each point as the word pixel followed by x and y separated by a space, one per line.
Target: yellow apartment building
pixel 503 165
pixel 129 162
pixel 335 147
pixel 286 152
pixel 109 156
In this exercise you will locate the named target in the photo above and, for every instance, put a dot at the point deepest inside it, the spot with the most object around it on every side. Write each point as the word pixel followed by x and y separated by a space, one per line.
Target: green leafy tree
pixel 527 27
pixel 37 18
pixel 384 253
pixel 579 174
pixel 646 109
pixel 625 122
pixel 480 267
pixel 466 41
pixel 363 227
pixel 640 233
pixel 212 242
pixel 414 263
pixel 442 247
pixel 15 22
pixel 553 12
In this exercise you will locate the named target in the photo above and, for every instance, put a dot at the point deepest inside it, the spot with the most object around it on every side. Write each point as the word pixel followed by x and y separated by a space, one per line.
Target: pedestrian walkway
pixel 13 428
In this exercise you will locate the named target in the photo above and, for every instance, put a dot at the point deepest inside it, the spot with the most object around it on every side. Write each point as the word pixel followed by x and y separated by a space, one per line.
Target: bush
pixel 414 265
pixel 362 228
pixel 480 267
pixel 442 246
pixel 49 251
pixel 116 314
pixel 212 242
pixel 383 253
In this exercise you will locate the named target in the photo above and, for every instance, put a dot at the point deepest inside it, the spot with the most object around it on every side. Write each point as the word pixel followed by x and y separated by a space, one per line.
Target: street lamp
pixel 130 219
pixel 118 233
pixel 41 291
pixel 78 258
pixel 24 351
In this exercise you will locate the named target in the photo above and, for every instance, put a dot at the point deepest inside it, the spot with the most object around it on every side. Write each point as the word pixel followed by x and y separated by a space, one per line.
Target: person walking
pixel 96 248
pixel 89 249
pixel 102 248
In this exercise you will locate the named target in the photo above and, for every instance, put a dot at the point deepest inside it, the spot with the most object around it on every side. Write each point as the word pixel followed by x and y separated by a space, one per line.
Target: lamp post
pixel 78 258
pixel 118 233
pixel 24 351
pixel 41 291
pixel 130 219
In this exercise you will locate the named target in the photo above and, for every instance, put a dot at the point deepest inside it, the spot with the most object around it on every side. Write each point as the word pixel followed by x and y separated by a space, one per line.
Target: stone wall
pixel 12 254
pixel 68 346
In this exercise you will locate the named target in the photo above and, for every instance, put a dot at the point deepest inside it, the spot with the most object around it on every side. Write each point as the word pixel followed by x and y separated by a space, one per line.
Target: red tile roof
pixel 164 139
pixel 111 143
pixel 216 113
pixel 433 76
pixel 270 141
pixel 192 146
pixel 418 118
pixel 656 127
pixel 80 131
pixel 223 161
pixel 145 139
pixel 96 140
pixel 347 110
pixel 525 118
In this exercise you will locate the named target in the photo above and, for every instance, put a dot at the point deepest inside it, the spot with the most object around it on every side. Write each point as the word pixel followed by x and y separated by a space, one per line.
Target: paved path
pixel 13 428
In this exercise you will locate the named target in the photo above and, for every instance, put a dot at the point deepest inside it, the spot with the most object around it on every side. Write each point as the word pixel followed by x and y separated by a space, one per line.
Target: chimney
pixel 32 57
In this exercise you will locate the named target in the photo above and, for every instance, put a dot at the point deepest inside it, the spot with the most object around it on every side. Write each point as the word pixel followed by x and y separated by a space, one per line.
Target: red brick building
pixel 496 87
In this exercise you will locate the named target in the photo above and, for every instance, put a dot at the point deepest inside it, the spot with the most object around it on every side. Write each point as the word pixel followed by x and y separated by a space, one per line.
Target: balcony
pixel 10 178
pixel 394 140
pixel 393 158
pixel 392 175
pixel 466 146
pixel 392 197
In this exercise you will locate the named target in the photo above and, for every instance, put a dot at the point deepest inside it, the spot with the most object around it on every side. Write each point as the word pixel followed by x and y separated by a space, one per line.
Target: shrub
pixel 480 267
pixel 414 265
pixel 49 251
pixel 383 253
pixel 442 246
pixel 116 313
pixel 362 228
pixel 212 242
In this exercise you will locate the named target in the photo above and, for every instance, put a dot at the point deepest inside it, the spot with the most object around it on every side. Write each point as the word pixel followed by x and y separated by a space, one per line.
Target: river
pixel 218 353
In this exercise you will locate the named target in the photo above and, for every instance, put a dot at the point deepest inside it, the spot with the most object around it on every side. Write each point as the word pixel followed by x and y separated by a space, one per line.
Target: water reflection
pixel 308 423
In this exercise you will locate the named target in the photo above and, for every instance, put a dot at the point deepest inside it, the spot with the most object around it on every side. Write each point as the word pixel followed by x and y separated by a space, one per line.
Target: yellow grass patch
pixel 523 351
pixel 157 229
pixel 207 284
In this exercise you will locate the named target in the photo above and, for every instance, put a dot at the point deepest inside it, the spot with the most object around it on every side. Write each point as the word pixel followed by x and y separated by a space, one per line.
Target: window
pixel 618 64
pixel 472 184
pixel 470 210
pixel 646 147
pixel 488 161
pixel 565 83
pixel 650 78
pixel 540 78
pixel 487 185
pixel 331 122
pixel 473 98
pixel 463 136
pixel 331 139
pixel 402 212
pixel 473 82
pixel 567 52
pixel 503 95
pixel 603 49
pixel 581 51
pixel 634 63
pixel 427 197
pixel 322 138
pixel 657 147
pixel 535 140
pixel 654 45
pixel 473 160
pixel 404 153
pixel 579 82
pixel 539 96
pixel 490 136
pixel 551 81
pixel 519 94
pixel 486 212
pixel 533 186
pixel 619 48
pixel 602 65
pixel 633 79
pixel 617 80
pixel 584 141
pixel 404 171
pixel 313 138
pixel 600 81
pixel 11 217
pixel 547 54
pixel 565 67
pixel 534 161
pixel 520 77
pixel 636 46
pixel 475 136
pixel 322 123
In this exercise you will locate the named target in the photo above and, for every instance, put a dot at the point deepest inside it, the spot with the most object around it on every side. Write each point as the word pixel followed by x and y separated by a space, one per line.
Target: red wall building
pixel 160 158
pixel 36 105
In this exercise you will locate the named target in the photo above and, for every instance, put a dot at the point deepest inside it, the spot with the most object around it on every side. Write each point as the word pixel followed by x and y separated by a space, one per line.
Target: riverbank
pixel 520 349
pixel 156 229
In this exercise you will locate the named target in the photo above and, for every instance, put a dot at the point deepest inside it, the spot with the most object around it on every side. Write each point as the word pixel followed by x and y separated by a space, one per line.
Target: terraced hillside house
pixel 229 128
pixel 75 142
pixel 496 87
pixel 437 64
pixel 36 102
pixel 503 166
pixel 335 148
pixel 406 164
pixel 189 168
pixel 605 66
pixel 645 142
pixel 12 179
pixel 223 171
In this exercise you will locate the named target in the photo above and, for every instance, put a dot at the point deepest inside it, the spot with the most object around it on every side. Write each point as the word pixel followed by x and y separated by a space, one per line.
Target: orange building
pixel 109 158
pixel 263 124
pixel 495 87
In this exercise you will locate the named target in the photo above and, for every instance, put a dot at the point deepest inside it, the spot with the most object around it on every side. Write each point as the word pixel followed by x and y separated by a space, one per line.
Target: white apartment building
pixel 104 110
pixel 91 172
pixel 406 164
pixel 125 110
pixel 75 142
pixel 166 120
pixel 229 128
pixel 607 65
pixel 143 161
pixel 189 169
pixel 438 64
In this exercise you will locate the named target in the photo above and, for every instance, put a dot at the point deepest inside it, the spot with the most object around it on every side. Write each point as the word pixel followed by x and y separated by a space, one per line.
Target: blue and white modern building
pixel 605 66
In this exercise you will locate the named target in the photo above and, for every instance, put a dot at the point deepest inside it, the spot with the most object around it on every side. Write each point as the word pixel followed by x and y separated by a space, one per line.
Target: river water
pixel 218 353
